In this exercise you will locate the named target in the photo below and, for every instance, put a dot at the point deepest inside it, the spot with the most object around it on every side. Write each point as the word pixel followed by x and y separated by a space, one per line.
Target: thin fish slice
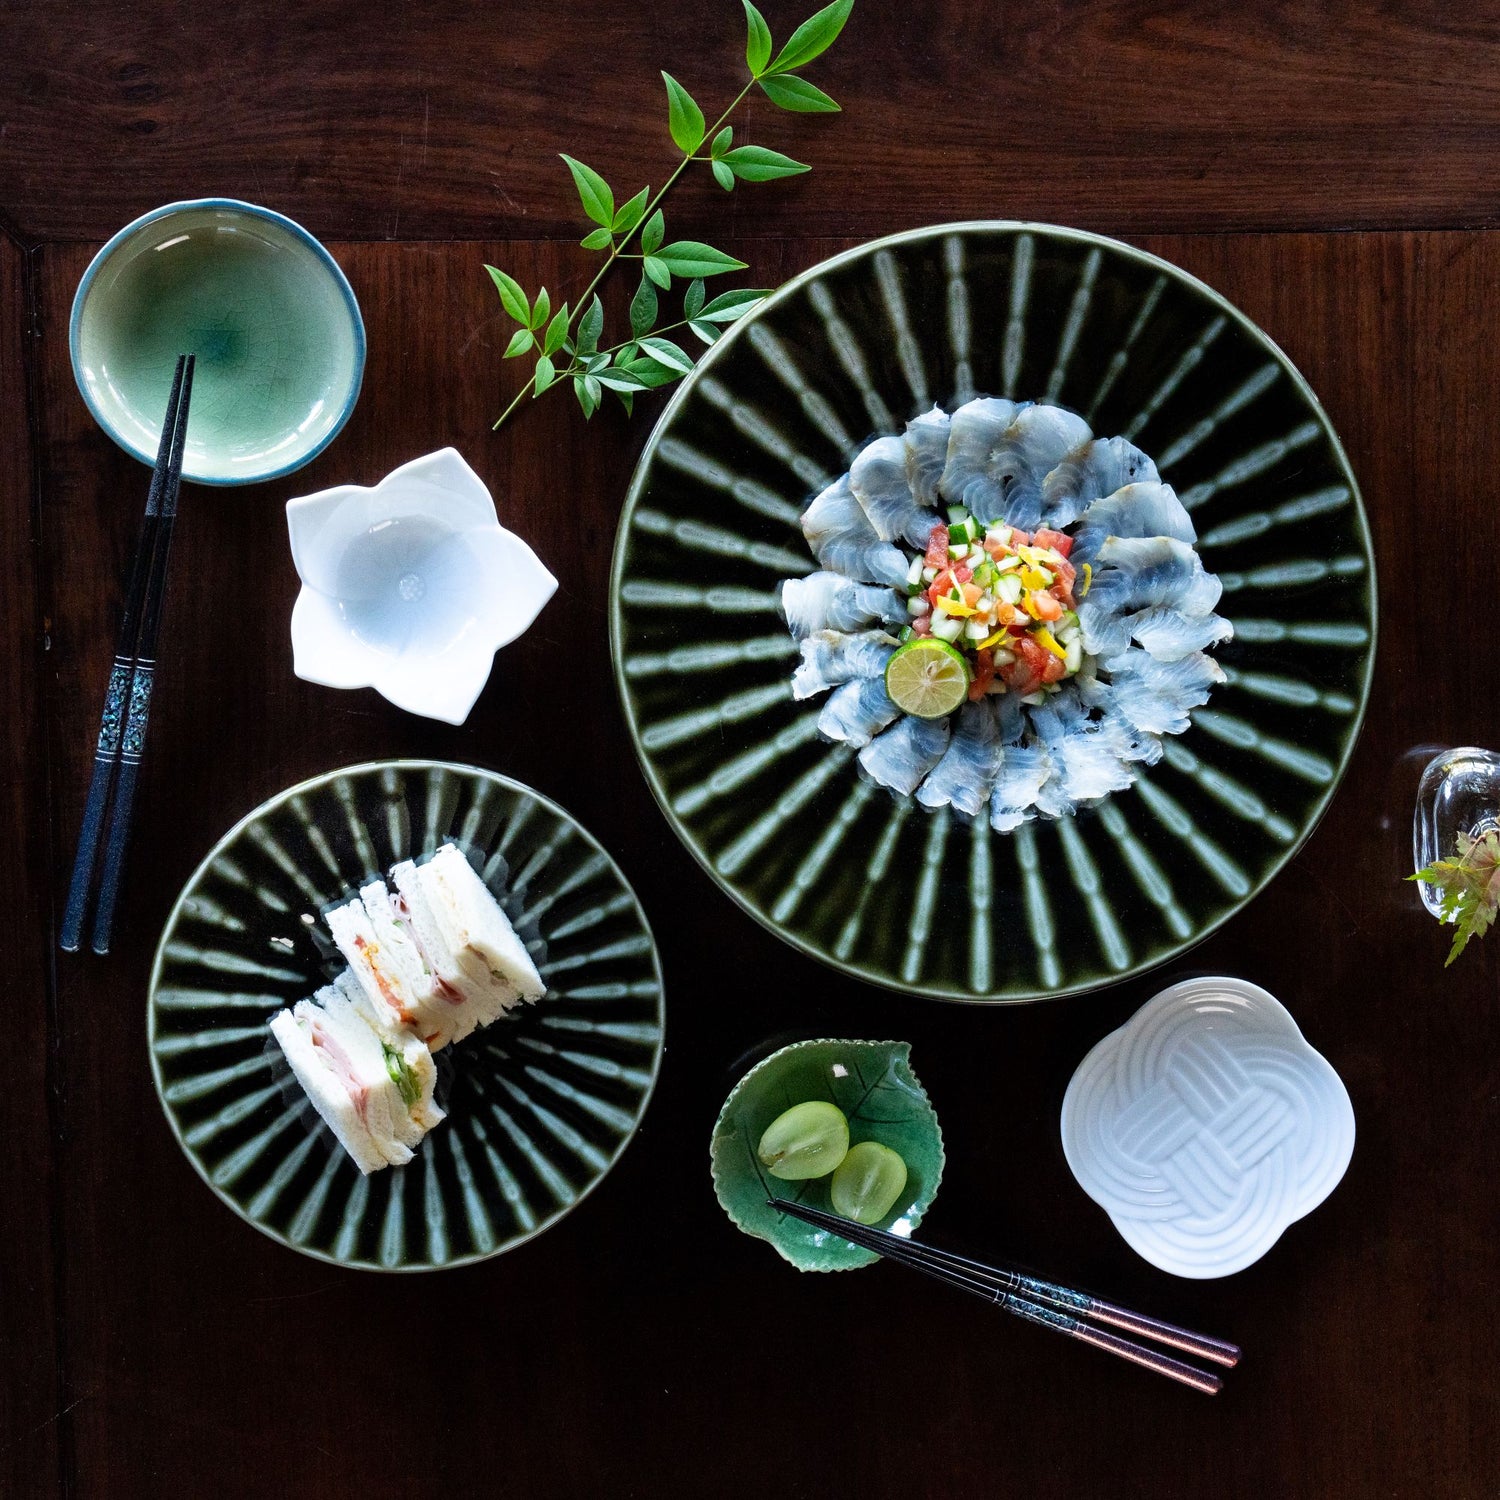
pixel 829 601
pixel 1169 635
pixel 926 444
pixel 1093 469
pixel 975 432
pixel 1138 573
pixel 830 657
pixel 905 753
pixel 1032 446
pixel 1146 509
pixel 857 712
pixel 842 539
pixel 969 766
pixel 1024 770
pixel 879 482
pixel 1156 696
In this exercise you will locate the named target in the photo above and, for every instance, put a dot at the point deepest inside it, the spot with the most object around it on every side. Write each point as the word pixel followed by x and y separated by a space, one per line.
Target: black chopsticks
pixel 127 701
pixel 1057 1307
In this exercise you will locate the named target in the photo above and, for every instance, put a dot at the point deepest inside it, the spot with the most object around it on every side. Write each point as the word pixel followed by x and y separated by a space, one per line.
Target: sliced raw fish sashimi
pixel 926 444
pixel 879 482
pixel 830 657
pixel 829 601
pixel 842 539
pixel 905 753
pixel 967 771
pixel 857 712
pixel 1094 469
pixel 1147 509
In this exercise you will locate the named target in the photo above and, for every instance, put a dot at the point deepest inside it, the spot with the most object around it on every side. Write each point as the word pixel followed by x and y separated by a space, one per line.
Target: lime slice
pixel 927 677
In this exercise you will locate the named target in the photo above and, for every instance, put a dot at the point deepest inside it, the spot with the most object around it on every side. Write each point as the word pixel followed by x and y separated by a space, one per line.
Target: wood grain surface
pixel 155 1346
pixel 439 119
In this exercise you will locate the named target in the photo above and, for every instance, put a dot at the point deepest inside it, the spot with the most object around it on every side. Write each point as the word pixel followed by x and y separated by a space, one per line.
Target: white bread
pixel 424 1005
pixel 476 929
pixel 355 1102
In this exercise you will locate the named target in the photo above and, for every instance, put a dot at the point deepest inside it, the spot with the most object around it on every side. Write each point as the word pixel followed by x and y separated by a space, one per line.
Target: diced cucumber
pixel 1067 621
pixel 1034 699
pixel 1073 654
pixel 946 628
pixel 906 634
pixel 914 573
pixel 1009 588
pixel 959 552
pixel 918 606
pixel 985 574
pixel 1003 658
pixel 999 534
pixel 1008 564
pixel 976 630
pixel 963 531
pixel 957 515
pixel 928 574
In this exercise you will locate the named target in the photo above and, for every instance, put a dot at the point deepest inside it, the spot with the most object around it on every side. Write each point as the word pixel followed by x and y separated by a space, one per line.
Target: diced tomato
pixel 937 547
pixel 1008 614
pixel 1019 538
pixel 984 674
pixel 922 625
pixel 1059 541
pixel 1055 669
pixel 972 592
pixel 961 574
pixel 1046 607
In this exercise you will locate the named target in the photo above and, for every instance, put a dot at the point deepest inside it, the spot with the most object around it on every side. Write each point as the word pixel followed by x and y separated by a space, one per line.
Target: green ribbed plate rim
pixel 539 1108
pixel 928 903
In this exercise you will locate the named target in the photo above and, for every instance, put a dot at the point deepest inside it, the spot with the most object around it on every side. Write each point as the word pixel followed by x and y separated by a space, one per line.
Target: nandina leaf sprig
pixel 1468 887
pixel 567 340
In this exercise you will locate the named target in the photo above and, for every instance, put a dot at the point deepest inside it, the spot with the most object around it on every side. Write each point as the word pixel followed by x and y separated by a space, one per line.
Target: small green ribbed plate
pixel 931 903
pixel 539 1108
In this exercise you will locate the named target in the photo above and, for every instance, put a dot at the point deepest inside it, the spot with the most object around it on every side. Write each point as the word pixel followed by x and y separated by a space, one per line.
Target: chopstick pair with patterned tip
pixel 127 700
pixel 1057 1307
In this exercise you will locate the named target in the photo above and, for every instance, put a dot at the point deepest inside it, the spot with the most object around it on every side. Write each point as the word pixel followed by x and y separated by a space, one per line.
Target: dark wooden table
pixel 1330 168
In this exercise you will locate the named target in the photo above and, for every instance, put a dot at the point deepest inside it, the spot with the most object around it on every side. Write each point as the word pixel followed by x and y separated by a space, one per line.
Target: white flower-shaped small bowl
pixel 410 587
pixel 1205 1125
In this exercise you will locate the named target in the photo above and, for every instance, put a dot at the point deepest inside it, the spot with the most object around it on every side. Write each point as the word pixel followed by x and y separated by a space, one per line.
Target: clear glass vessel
pixel 1459 793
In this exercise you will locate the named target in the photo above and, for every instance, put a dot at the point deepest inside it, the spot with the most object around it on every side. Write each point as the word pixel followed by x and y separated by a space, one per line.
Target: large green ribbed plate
pixel 539 1107
pixel 855 347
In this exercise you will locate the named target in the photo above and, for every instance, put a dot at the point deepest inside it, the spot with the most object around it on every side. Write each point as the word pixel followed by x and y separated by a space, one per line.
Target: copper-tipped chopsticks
pixel 127 700
pixel 1057 1307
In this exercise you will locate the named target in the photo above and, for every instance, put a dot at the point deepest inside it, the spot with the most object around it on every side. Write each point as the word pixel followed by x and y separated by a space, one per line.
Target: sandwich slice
pixel 399 987
pixel 363 1089
pixel 468 941
pixel 408 1061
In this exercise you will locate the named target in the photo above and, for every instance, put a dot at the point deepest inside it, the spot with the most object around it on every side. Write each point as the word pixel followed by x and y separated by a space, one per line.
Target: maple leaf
pixel 1468 888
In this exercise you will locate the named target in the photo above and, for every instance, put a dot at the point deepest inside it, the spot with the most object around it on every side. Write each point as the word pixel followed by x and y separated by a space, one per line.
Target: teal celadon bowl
pixel 872 1082
pixel 274 324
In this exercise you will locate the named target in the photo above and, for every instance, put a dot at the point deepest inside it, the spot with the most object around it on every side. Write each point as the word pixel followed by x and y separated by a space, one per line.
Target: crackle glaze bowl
pixel 874 884
pixel 279 340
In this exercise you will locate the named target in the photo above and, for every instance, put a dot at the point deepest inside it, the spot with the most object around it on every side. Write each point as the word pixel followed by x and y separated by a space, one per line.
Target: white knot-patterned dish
pixel 1205 1125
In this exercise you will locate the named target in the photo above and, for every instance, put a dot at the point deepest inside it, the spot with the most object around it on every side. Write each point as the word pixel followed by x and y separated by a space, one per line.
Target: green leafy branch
pixel 1468 888
pixel 566 341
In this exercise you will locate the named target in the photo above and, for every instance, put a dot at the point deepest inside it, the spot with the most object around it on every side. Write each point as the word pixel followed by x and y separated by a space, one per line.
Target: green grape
pixel 808 1140
pixel 868 1182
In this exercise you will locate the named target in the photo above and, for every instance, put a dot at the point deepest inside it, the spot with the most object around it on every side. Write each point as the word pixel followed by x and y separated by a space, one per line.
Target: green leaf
pixel 813 37
pixel 728 306
pixel 627 400
pixel 618 380
pixel 724 177
pixel 757 40
pixel 657 270
pixel 593 192
pixel 694 258
pixel 692 299
pixel 761 164
pixel 545 374
pixel 1468 888
pixel 595 363
pixel 626 352
pixel 557 331
pixel 589 402
pixel 705 331
pixel 596 239
pixel 651 373
pixel 651 235
pixel 643 308
pixel 512 298
pixel 797 94
pixel 721 141
pixel 629 214
pixel 665 352
pixel 541 309
pixel 684 118
pixel 590 326
pixel 520 341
